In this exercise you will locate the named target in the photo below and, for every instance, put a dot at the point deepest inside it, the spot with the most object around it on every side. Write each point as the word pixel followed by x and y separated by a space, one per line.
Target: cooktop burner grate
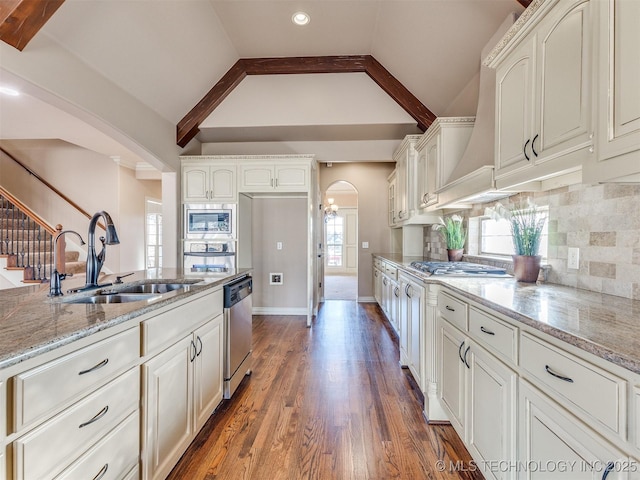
pixel 458 268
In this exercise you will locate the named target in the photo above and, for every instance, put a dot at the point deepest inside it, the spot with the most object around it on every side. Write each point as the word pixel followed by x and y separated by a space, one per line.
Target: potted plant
pixel 453 234
pixel 526 231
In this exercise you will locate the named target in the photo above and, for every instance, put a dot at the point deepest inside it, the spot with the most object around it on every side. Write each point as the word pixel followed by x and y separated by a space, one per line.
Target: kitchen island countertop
pixel 604 325
pixel 32 323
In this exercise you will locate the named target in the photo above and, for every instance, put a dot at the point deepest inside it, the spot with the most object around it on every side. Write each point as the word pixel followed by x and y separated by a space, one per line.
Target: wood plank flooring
pixel 326 402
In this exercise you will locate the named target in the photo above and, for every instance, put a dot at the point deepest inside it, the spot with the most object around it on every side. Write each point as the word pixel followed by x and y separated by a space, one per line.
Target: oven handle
pixel 209 254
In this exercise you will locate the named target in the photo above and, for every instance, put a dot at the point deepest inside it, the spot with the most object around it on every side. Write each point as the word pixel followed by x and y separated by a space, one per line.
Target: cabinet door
pixel 223 183
pixel 405 326
pixel 618 92
pixel 514 109
pixel 551 437
pixel 168 382
pixel 292 178
pixel 392 201
pixel 452 373
pixel 433 159
pixel 256 178
pixel 416 297
pixel 564 80
pixel 491 432
pixel 195 183
pixel 377 286
pixel 401 188
pixel 207 371
pixel 395 305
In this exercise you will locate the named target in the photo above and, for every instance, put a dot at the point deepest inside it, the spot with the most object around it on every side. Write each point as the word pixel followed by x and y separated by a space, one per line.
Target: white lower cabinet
pixel 556 445
pixel 76 429
pixel 411 309
pixel 478 392
pixel 182 387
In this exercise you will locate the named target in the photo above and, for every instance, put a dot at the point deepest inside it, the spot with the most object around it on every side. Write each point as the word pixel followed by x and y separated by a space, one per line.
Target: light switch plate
pixel 573 258
pixel 278 245
pixel 365 244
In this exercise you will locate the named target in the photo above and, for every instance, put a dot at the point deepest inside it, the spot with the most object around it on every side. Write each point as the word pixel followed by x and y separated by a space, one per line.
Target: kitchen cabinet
pixel 209 182
pixel 76 428
pixel 438 152
pixel 281 177
pixel 89 392
pixel 543 95
pixel 391 196
pixel 412 297
pixel 377 284
pixel 182 387
pixel 471 378
pixel 390 294
pixel 617 95
pixel 552 437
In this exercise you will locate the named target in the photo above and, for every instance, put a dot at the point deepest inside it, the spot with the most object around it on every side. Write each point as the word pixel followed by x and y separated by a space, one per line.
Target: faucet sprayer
pixel 55 283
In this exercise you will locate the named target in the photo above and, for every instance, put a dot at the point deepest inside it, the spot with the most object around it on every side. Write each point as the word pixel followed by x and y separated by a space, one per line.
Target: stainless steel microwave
pixel 209 221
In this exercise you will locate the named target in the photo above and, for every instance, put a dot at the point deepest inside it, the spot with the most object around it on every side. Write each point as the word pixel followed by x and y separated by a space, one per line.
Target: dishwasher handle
pixel 236 291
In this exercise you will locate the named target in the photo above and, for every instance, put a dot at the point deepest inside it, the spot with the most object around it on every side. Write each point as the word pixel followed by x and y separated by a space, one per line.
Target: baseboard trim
pixel 366 300
pixel 279 311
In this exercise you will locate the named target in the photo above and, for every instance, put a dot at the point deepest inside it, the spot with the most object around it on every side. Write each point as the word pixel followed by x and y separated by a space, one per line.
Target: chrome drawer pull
pixel 450 309
pixel 488 332
pixel 551 372
pixel 97 417
pixel 102 472
pixel 95 367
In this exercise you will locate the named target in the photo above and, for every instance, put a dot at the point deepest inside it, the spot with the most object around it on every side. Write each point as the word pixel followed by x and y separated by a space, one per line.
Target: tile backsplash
pixel 603 221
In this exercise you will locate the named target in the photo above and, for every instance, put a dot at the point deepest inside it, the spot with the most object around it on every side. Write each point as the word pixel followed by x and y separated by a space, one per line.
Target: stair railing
pixel 26 239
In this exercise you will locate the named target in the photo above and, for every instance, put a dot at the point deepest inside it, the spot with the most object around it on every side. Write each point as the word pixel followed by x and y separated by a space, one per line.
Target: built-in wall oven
pixel 209 240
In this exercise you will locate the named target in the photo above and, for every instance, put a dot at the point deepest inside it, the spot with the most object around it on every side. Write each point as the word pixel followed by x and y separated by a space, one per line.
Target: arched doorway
pixel 340 202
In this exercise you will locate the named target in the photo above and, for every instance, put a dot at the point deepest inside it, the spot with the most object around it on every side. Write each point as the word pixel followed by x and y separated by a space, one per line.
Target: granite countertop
pixel 31 323
pixel 604 325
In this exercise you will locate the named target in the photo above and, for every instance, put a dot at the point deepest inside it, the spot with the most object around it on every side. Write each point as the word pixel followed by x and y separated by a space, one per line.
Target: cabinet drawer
pixel 75 429
pixel 112 457
pixel 500 337
pixel 45 389
pixel 165 328
pixel 453 310
pixel 391 271
pixel 577 381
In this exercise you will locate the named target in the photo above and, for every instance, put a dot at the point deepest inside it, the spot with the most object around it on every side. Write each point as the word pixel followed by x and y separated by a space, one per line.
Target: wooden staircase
pixel 27 244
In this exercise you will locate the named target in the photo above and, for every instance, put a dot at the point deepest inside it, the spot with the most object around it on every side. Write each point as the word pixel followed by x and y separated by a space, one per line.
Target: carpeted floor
pixel 340 287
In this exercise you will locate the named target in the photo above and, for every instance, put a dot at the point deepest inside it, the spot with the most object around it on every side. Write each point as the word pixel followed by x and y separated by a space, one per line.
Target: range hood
pixel 472 180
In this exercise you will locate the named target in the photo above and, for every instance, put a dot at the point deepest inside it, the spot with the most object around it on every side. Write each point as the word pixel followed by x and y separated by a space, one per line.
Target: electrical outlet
pixel 278 245
pixel 573 258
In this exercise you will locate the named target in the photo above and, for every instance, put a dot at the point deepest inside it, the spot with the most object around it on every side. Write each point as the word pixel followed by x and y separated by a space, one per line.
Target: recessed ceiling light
pixel 301 18
pixel 9 91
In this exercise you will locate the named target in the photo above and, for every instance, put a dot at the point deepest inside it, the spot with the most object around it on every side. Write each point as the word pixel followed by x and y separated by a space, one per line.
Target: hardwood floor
pixel 326 402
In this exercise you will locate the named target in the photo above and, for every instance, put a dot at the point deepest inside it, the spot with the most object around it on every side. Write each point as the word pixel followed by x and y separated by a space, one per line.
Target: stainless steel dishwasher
pixel 237 327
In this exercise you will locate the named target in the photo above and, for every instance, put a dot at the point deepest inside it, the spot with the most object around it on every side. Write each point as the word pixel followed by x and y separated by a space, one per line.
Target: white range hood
pixel 472 180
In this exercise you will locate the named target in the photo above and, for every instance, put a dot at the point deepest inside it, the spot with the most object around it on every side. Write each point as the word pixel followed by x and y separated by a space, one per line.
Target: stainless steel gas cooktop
pixel 461 269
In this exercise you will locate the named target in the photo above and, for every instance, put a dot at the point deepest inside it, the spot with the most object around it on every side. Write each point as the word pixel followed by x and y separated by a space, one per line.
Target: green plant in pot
pixel 454 235
pixel 526 232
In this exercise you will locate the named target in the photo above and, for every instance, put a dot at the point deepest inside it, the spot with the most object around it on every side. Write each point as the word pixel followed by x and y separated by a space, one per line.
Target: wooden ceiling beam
pixel 20 20
pixel 524 3
pixel 188 127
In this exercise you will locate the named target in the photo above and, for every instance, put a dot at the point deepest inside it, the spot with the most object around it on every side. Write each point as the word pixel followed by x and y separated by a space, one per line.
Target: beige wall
pixel 370 180
pixel 279 220
pixel 93 181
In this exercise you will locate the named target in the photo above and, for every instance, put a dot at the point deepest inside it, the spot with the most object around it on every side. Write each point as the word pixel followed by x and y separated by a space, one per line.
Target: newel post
pixel 60 250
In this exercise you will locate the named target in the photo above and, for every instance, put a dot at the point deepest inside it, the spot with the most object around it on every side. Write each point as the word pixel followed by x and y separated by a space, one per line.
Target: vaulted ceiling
pixel 168 54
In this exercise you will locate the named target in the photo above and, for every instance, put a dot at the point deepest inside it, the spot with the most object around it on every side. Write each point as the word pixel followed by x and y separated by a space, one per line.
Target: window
pixel 495 236
pixel 335 241
pixel 153 234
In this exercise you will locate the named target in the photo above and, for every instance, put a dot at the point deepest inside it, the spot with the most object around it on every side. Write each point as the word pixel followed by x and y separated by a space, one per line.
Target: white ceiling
pixel 169 53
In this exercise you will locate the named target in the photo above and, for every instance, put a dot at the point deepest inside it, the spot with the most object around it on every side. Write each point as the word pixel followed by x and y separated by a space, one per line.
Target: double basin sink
pixel 130 293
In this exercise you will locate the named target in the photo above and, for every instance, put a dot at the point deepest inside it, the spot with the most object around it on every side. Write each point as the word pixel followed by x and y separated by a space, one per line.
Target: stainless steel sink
pixel 115 298
pixel 153 288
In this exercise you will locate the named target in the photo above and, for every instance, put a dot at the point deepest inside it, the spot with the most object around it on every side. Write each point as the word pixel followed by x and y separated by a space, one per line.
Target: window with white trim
pixel 495 236
pixel 153 234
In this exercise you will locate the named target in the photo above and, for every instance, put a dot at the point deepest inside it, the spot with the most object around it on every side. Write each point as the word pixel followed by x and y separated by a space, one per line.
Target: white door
pixel 341 242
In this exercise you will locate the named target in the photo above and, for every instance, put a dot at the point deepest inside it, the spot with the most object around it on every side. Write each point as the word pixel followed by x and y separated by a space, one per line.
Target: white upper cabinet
pixel 209 181
pixel 269 177
pixel 543 95
pixel 618 95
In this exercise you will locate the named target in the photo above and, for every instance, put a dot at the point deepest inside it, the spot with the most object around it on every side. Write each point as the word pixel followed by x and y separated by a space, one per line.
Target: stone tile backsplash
pixel 603 221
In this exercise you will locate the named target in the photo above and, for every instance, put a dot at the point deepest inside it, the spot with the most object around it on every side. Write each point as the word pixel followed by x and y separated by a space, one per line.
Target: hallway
pixel 327 402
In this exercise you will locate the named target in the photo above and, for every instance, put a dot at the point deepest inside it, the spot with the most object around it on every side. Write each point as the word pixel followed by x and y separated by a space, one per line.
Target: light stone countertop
pixel 31 323
pixel 604 325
